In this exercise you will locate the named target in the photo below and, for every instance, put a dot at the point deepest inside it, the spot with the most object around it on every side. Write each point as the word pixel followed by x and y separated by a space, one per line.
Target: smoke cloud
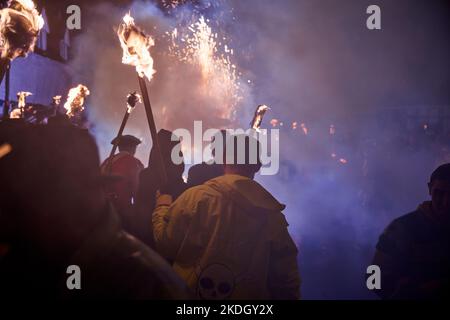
pixel 312 62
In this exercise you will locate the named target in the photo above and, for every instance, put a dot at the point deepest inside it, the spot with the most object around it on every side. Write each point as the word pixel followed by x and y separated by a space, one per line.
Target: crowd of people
pixel 136 233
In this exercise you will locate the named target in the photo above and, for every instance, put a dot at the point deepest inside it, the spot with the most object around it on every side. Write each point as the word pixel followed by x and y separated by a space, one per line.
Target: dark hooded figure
pixel 413 253
pixel 150 182
pixel 56 222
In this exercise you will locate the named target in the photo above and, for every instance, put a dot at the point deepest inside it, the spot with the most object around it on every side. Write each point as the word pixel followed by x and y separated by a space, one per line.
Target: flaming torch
pixel 20 24
pixel 257 118
pixel 75 100
pixel 22 101
pixel 135 45
pixel 56 103
pixel 132 100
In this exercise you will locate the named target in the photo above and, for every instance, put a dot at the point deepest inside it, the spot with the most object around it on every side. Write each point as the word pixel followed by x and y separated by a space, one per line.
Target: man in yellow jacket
pixel 228 237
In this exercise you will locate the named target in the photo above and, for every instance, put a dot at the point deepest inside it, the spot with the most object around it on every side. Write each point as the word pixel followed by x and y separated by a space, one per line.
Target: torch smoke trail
pixel 75 100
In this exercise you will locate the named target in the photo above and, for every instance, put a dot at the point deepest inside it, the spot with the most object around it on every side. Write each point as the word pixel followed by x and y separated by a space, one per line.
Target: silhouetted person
pixel 149 183
pixel 54 214
pixel 125 167
pixel 414 251
pixel 228 237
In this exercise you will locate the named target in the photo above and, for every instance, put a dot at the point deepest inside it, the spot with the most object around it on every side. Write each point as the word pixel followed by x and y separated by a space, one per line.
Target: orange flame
pixel 56 100
pixel 304 128
pixel 21 98
pixel 274 122
pixel 135 46
pixel 75 100
pixel 257 118
pixel 20 16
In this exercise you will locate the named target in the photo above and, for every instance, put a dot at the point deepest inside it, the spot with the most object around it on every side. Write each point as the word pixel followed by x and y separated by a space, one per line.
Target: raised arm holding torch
pixel 135 45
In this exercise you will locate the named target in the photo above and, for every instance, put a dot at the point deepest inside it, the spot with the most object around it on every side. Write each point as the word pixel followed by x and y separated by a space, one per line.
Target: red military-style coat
pixel 127 169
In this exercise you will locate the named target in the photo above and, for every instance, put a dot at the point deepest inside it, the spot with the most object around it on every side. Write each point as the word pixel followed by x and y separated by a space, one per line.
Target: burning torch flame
pixel 274 122
pixel 343 161
pixel 304 128
pixel 16 114
pixel 20 24
pixel 332 129
pixel 56 100
pixel 75 100
pixel 135 45
pixel 294 125
pixel 257 118
pixel 22 98
pixel 132 99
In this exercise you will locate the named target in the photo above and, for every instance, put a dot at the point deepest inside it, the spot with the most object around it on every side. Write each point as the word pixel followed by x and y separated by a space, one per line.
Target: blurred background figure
pixel 413 252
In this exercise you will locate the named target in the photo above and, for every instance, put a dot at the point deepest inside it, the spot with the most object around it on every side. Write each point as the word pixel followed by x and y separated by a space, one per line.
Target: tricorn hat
pixel 126 140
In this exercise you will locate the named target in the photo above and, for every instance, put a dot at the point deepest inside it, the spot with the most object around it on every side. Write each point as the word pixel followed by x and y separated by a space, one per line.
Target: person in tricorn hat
pixel 126 168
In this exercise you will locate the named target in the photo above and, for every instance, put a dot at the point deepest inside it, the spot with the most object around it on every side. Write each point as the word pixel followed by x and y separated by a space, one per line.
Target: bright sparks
pixel 135 46
pixel 274 122
pixel 203 48
pixel 75 100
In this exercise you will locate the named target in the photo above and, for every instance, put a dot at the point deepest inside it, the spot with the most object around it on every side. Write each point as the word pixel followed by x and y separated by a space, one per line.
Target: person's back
pixel 229 240
pixel 126 168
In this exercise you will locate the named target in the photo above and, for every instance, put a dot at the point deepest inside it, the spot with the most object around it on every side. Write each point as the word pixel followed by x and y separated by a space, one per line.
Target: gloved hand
pixel 163 199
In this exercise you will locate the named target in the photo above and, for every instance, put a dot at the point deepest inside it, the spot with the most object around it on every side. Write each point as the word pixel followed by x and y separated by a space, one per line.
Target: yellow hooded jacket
pixel 229 240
